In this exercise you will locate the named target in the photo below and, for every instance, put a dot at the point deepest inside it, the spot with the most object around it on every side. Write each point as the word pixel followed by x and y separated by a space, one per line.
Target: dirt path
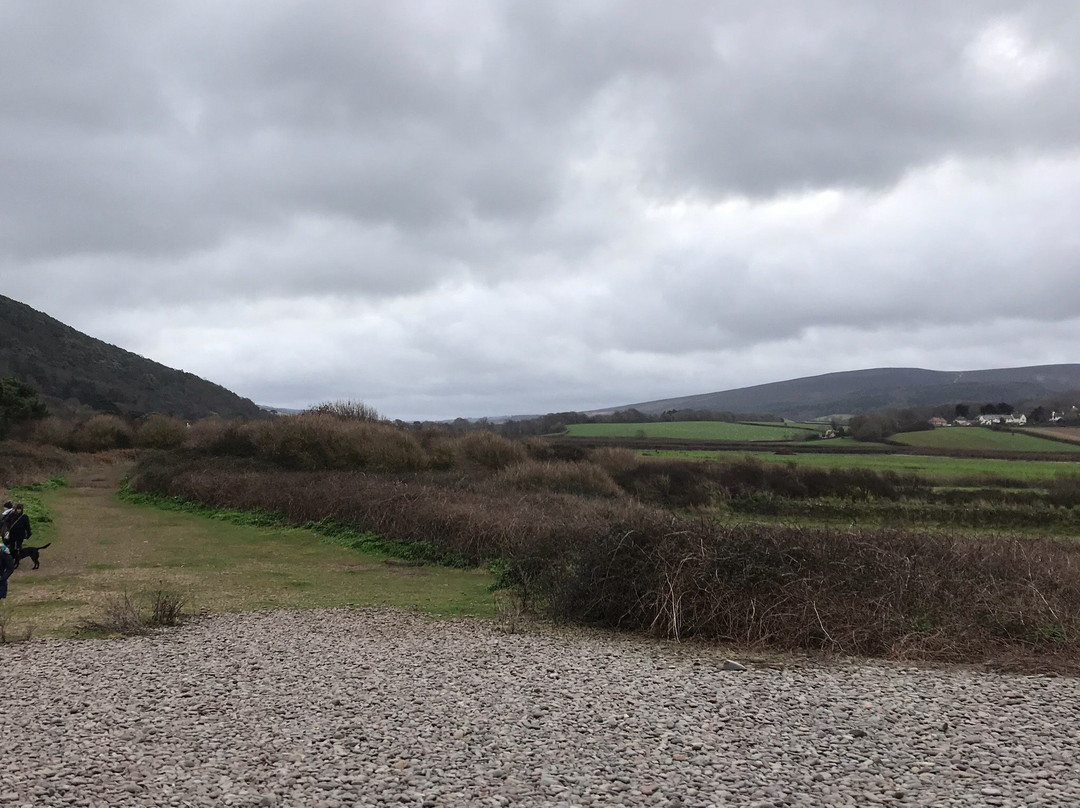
pixel 102 548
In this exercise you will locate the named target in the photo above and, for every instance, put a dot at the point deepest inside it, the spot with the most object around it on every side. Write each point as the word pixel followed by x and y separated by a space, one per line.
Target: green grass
pixel 981 437
pixel 103 547
pixel 933 467
pixel 695 430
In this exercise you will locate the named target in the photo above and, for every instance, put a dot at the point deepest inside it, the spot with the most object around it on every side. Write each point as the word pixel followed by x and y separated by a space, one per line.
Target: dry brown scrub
pixel 24 463
pixel 614 561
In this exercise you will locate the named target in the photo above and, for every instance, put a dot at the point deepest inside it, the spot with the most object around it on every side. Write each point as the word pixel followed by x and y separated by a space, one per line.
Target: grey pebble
pixel 376 707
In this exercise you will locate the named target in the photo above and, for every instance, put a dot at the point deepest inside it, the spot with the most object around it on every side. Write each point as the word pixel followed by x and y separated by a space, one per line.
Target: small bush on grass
pixel 123 615
pixel 166 608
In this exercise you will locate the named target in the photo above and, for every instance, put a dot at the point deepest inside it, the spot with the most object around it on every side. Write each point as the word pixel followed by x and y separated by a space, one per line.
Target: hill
pixel 69 367
pixel 861 391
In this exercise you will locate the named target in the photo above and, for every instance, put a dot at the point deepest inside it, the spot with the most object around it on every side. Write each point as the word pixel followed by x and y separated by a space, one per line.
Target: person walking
pixel 7 566
pixel 9 509
pixel 18 531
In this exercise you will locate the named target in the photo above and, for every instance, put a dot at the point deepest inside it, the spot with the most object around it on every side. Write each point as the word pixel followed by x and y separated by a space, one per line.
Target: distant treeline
pixel 556 422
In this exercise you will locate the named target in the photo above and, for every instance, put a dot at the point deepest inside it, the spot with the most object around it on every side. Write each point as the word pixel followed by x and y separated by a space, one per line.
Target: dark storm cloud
pixel 500 206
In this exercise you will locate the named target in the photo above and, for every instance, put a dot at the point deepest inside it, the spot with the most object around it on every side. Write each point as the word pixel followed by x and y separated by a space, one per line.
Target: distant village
pixel 995 418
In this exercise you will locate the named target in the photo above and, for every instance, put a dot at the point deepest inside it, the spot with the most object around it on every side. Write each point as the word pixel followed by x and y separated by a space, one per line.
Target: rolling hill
pixel 861 391
pixel 73 369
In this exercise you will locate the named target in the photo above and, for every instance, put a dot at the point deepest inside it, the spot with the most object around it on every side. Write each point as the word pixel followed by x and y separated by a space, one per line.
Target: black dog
pixel 31 553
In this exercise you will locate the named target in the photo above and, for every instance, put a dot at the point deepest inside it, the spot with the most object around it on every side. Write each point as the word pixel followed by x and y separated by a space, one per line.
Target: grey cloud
pixel 492 203
pixel 820 94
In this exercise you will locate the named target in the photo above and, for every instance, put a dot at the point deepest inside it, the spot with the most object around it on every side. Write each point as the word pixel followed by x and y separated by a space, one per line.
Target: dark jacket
pixel 7 566
pixel 19 529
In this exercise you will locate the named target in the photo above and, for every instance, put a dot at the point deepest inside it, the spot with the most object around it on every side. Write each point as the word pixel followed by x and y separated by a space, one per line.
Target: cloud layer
pixel 496 207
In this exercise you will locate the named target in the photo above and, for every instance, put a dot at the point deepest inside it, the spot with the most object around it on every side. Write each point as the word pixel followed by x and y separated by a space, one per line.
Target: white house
pixel 1012 419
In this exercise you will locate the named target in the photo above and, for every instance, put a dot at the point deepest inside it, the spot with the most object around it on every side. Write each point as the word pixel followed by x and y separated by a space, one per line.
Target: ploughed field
pixel 351 707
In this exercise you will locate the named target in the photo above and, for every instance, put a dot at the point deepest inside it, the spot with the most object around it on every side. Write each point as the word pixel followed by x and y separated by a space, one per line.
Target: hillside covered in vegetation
pixel 863 391
pixel 66 365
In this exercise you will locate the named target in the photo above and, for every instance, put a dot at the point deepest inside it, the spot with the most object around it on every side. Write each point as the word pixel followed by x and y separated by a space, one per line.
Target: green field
pixel 981 437
pixel 933 467
pixel 695 430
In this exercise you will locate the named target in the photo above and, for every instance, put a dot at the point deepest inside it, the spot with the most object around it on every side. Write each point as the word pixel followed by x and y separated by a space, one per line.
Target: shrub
pixel 541 449
pixel 1064 491
pixel 102 432
pixel 125 616
pixel 166 609
pixel 314 441
pixel 487 450
pixel 584 479
pixel 19 403
pixel 346 410
pixel 219 436
pixel 616 562
pixel 161 432
pixel 615 460
pixel 53 431
pixel 25 463
pixel 863 592
pixel 672 483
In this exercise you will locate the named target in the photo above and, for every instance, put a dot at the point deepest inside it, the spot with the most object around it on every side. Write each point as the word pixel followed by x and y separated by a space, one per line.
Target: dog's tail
pixel 42 547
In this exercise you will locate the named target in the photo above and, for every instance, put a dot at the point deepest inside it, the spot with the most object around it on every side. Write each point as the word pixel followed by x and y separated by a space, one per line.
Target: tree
pixel 962 411
pixel 19 403
pixel 876 427
pixel 1038 415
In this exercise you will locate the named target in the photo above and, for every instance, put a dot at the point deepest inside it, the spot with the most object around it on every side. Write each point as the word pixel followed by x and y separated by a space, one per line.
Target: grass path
pixel 102 547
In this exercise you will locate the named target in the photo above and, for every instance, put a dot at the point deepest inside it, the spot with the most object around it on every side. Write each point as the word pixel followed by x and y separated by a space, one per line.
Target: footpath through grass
pixel 103 547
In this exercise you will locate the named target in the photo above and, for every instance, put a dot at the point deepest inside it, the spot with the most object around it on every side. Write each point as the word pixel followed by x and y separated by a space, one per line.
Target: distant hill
pixel 69 367
pixel 860 391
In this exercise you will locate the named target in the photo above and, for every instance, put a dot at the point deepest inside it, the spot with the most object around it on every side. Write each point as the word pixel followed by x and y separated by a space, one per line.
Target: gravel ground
pixel 345 707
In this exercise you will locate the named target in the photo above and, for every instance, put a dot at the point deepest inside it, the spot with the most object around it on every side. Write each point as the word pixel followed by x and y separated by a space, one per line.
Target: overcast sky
pixel 479 208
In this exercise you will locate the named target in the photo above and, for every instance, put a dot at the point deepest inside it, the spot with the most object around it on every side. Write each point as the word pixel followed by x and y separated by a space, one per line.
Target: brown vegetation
pixel 160 432
pixel 24 463
pixel 616 560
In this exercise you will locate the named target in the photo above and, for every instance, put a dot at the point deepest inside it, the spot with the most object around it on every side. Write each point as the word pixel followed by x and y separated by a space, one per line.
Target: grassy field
pixel 981 437
pixel 102 547
pixel 934 467
pixel 694 430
